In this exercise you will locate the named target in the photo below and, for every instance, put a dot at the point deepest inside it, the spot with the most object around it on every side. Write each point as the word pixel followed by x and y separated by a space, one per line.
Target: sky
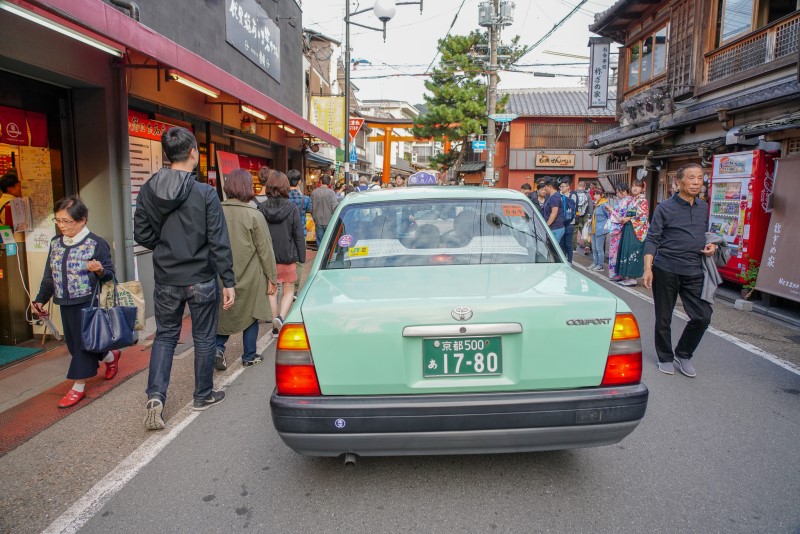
pixel 396 68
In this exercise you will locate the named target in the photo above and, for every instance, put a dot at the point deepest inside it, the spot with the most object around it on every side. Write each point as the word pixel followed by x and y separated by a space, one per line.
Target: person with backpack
pixel 583 211
pixel 303 203
pixel 570 202
pixel 553 210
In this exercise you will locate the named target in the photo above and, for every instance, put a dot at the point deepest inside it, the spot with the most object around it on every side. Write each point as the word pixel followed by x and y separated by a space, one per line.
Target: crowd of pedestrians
pixel 585 219
pixel 253 244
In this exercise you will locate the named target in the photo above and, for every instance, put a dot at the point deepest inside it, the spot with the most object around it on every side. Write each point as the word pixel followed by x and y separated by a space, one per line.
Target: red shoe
pixel 113 367
pixel 71 398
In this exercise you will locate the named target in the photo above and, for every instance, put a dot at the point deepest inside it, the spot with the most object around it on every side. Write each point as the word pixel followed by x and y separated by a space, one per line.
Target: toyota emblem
pixel 462 313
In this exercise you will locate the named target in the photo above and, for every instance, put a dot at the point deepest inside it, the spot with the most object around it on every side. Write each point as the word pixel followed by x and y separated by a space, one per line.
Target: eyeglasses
pixel 65 222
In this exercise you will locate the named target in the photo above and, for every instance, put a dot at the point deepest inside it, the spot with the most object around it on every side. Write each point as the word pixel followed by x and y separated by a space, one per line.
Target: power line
pixel 552 30
pixel 446 35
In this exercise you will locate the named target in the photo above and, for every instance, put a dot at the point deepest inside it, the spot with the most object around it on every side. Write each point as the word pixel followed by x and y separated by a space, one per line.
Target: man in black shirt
pixel 672 267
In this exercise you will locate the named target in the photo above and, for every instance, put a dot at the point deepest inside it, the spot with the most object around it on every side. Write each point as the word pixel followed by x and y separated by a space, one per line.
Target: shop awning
pixel 626 144
pixel 751 129
pixel 311 157
pixel 105 20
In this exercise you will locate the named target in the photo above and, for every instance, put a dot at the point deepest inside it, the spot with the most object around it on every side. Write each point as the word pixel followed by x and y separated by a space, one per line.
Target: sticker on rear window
pixel 345 241
pixel 358 251
pixel 513 210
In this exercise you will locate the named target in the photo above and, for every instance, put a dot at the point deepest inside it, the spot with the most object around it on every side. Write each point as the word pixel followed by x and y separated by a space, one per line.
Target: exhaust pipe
pixel 350 459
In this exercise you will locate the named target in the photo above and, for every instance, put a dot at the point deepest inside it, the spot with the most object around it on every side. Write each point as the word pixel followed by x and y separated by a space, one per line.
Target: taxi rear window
pixel 447 232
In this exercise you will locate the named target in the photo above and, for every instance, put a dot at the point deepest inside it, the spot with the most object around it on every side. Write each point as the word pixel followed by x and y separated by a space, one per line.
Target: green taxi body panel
pixel 355 321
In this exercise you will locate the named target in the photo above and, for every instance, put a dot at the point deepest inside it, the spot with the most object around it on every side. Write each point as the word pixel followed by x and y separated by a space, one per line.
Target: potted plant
pixel 749 277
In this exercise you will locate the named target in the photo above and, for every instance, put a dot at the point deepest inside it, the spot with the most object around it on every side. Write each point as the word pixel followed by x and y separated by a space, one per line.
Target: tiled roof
pixel 472 166
pixel 638 141
pixel 689 148
pixel 556 102
pixel 771 125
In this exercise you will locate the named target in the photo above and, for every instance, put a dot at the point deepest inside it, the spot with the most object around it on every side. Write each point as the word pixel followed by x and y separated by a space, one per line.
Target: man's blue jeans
pixel 249 339
pixel 170 301
pixel 566 241
pixel 559 235
pixel 320 231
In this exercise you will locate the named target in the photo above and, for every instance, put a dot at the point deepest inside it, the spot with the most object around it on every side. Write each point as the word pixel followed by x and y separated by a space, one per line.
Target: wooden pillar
pixel 387 155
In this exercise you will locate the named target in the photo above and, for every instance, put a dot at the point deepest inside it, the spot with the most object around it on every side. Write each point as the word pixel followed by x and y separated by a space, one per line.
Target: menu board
pixel 146 157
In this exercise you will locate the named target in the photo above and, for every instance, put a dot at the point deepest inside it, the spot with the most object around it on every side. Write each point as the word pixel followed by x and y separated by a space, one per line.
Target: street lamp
pixel 385 11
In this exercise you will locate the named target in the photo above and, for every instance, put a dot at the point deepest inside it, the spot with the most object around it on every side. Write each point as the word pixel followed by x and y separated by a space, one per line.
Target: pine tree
pixel 456 97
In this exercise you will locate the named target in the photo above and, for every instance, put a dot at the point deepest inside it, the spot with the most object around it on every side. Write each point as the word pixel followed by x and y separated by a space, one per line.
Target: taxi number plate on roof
pixel 462 356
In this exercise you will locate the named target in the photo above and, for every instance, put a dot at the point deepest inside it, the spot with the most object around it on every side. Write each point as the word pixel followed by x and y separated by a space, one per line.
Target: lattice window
pixel 562 135
pixel 786 38
pixel 681 47
pixel 793 145
pixel 742 56
pixel 771 43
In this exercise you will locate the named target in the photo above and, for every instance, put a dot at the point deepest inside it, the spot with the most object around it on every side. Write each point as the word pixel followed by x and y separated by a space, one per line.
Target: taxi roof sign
pixel 422 178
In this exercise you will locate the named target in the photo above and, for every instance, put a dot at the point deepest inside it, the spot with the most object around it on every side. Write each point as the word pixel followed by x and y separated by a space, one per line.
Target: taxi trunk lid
pixel 367 328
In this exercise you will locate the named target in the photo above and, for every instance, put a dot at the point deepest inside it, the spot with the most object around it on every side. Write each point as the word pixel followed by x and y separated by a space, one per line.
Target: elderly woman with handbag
pixel 253 265
pixel 77 261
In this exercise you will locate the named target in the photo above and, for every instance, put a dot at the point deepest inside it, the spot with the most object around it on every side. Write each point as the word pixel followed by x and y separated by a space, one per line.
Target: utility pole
pixel 493 15
pixel 346 144
pixel 491 97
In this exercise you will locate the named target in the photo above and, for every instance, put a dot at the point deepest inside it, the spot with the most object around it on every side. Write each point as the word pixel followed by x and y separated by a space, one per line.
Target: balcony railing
pixel 770 43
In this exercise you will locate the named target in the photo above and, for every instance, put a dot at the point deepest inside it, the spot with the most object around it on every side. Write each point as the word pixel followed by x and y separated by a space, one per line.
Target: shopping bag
pixel 105 329
pixel 129 294
pixel 584 237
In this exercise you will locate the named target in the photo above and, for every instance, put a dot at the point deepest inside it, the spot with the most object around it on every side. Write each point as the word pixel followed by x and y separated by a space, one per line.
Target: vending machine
pixel 740 185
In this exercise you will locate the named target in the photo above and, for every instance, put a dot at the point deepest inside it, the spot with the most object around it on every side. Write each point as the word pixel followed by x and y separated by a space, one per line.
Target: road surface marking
pixel 724 335
pixel 87 506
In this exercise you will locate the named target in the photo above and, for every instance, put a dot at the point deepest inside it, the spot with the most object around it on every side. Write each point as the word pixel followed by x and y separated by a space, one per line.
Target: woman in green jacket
pixel 253 265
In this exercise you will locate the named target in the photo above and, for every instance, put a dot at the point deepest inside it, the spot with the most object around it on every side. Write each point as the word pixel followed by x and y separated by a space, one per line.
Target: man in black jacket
pixel 181 221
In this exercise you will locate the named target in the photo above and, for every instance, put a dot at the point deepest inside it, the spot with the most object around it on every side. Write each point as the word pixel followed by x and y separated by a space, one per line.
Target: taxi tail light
pixel 624 362
pixel 294 369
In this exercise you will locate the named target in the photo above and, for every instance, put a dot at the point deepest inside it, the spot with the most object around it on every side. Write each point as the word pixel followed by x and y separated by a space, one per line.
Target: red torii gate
pixel 388 125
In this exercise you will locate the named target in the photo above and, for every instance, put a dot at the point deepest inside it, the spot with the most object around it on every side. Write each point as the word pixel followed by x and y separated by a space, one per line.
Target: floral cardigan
pixel 66 277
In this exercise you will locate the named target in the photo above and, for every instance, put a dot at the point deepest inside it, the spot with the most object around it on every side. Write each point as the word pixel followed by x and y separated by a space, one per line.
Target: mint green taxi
pixel 445 320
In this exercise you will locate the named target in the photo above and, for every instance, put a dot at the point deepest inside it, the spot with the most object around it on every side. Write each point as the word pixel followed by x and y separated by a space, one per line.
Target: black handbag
pixel 105 329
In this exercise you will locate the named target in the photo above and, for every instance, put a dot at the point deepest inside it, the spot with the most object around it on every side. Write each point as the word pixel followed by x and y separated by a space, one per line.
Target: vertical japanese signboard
pixel 327 113
pixel 254 34
pixel 599 58
pixel 779 273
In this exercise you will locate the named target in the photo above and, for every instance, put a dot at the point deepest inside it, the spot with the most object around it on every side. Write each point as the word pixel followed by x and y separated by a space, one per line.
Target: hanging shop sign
pixel 250 31
pixel 779 273
pixel 599 53
pixel 327 113
pixel 555 160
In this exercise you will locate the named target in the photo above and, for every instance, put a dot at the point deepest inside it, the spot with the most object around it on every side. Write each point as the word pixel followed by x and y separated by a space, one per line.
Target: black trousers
pixel 666 288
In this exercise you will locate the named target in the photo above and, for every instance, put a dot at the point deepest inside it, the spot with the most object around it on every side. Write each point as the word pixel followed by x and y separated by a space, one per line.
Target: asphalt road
pixel 718 453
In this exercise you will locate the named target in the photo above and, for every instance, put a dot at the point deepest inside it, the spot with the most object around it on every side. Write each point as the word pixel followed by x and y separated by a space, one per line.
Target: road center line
pixel 77 515
pixel 719 333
